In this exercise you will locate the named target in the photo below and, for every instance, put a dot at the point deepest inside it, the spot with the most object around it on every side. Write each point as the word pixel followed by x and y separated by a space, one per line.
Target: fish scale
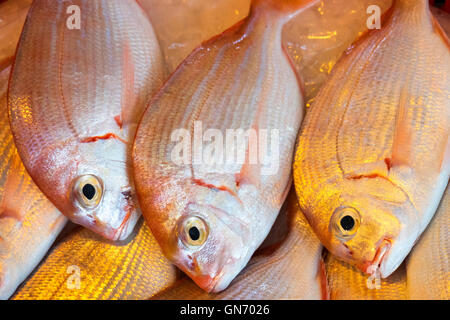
pixel 376 138
pixel 29 223
pixel 75 100
pixel 127 270
pixel 345 282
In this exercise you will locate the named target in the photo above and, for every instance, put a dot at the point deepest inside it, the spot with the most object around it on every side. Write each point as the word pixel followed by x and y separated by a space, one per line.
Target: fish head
pixel 366 224
pixel 199 231
pixel 90 184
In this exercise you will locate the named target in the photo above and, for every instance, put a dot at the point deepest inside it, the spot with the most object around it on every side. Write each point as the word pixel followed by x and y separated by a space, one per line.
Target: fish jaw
pixel 216 278
pixel 371 267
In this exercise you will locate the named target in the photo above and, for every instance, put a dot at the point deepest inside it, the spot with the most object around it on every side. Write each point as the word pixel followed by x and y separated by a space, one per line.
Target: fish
pixel 83 74
pixel 428 266
pixel 346 282
pixel 372 159
pixel 85 266
pixel 208 213
pixel 29 223
pixel 289 270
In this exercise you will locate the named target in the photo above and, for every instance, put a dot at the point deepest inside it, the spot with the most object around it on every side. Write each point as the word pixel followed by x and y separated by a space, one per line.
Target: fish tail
pixel 284 9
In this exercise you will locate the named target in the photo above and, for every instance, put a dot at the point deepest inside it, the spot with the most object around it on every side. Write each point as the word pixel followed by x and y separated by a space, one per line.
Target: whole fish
pixel 346 282
pixel 372 160
pixel 29 223
pixel 209 213
pixel 428 265
pixel 82 75
pixel 291 270
pixel 86 267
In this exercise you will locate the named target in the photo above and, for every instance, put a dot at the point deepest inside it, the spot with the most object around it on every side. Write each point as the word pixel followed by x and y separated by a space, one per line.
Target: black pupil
pixel 347 223
pixel 194 233
pixel 89 191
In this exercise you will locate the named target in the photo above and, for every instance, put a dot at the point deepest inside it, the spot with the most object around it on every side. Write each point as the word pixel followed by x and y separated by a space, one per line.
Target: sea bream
pixel 210 200
pixel 29 222
pixel 372 160
pixel 83 74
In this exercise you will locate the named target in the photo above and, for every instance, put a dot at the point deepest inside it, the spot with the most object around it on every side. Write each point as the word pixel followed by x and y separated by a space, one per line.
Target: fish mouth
pixel 105 230
pixel 374 266
pixel 213 283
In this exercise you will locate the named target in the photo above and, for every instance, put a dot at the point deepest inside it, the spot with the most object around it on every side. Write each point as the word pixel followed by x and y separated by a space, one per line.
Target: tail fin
pixel 286 9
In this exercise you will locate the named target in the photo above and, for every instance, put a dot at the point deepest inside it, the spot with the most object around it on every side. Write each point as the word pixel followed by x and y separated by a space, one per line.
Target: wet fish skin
pixel 29 223
pixel 75 98
pixel 374 145
pixel 428 265
pixel 133 269
pixel 291 270
pixel 346 282
pixel 227 83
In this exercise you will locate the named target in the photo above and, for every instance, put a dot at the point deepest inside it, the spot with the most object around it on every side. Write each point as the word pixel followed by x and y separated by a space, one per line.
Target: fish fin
pixel 322 274
pixel 8 205
pixel 402 144
pixel 285 8
pixel 128 96
pixel 445 160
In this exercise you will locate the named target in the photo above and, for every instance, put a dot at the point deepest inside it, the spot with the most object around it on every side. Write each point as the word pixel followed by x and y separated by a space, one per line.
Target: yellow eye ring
pixel 193 232
pixel 345 222
pixel 88 191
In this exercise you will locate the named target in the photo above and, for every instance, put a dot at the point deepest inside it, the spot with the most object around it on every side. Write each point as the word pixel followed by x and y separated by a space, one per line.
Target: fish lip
pixel 212 285
pixel 380 257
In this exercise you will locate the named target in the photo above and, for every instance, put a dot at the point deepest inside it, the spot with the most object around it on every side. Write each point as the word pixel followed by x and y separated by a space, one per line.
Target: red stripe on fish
pixel 202 183
pixel 104 137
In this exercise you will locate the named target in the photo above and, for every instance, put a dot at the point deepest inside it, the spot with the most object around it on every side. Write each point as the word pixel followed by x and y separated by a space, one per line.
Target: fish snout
pixel 114 223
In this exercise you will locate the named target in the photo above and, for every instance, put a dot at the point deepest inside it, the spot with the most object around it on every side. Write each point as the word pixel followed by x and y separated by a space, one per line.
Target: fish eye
pixel 345 222
pixel 88 191
pixel 194 231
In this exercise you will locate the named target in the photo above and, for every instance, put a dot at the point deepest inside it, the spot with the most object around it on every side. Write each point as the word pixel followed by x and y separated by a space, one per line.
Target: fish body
pixel 290 270
pixel 83 73
pixel 240 80
pixel 428 265
pixel 83 266
pixel 372 160
pixel 29 223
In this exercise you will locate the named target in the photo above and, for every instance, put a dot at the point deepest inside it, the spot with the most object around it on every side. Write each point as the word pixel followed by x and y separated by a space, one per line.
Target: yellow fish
pixel 373 160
